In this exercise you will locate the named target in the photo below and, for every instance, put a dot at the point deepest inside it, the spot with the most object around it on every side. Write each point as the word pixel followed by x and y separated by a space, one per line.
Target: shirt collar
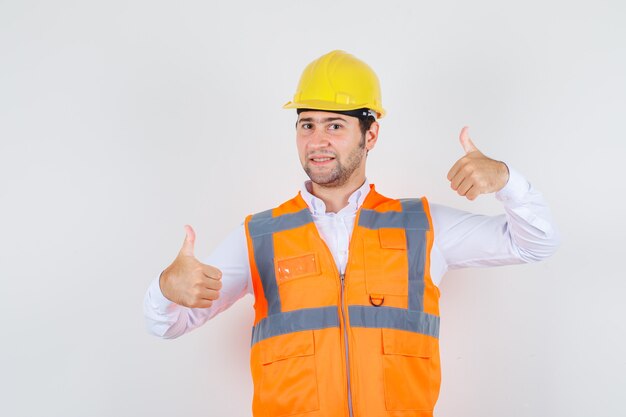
pixel 317 206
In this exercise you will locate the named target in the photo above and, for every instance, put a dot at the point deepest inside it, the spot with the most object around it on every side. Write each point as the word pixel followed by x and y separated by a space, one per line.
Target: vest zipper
pixel 343 303
pixel 345 337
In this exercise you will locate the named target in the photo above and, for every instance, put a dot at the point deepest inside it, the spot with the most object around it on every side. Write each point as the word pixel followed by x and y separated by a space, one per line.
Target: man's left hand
pixel 475 174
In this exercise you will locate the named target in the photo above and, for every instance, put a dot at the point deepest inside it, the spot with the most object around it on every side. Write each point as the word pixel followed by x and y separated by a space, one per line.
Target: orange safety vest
pixel 355 345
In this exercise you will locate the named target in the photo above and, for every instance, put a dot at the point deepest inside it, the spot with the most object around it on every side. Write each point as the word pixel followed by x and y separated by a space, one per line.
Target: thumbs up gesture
pixel 189 282
pixel 475 173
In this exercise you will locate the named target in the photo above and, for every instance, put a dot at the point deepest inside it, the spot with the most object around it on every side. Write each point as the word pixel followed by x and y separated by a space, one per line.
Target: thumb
pixel 466 142
pixel 190 239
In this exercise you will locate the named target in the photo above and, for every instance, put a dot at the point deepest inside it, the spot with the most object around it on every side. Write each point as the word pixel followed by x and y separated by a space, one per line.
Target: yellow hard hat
pixel 338 81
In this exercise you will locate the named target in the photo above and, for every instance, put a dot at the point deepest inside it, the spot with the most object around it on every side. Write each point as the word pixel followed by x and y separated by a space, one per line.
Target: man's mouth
pixel 321 159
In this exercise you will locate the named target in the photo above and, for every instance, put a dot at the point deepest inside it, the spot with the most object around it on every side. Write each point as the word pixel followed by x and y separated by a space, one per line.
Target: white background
pixel 120 121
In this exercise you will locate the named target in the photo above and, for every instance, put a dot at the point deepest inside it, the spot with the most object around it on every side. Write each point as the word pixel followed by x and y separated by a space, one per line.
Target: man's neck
pixel 336 198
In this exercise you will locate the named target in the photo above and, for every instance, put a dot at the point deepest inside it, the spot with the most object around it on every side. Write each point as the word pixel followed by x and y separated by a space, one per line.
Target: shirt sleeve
pixel 169 320
pixel 524 233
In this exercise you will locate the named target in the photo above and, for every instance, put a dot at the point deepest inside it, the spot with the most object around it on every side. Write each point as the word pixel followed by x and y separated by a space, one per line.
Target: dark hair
pixel 365 123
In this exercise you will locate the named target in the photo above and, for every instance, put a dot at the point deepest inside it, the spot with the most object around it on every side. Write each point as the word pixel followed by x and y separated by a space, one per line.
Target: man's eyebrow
pixel 324 120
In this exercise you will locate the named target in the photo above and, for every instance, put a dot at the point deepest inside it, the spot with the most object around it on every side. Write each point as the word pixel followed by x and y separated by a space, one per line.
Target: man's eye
pixel 335 126
pixel 306 125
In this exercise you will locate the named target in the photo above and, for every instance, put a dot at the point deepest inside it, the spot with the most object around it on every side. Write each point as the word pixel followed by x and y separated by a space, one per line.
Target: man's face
pixel 331 147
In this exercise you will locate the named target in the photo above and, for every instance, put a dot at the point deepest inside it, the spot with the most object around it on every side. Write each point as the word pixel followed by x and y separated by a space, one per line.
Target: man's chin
pixel 324 180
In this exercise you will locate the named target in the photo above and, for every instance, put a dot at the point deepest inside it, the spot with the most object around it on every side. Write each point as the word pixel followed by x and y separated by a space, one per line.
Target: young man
pixel 345 279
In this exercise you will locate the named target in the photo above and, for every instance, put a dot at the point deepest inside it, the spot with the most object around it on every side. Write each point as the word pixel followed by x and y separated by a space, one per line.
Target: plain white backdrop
pixel 121 121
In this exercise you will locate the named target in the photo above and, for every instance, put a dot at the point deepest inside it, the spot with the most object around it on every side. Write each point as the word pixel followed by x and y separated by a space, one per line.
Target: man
pixel 345 279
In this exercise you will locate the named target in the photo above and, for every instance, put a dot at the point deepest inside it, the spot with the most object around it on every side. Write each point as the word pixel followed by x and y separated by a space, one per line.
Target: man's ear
pixel 371 136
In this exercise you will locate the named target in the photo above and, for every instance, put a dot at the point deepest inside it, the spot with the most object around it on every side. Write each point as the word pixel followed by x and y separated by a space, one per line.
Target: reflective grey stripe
pixel 414 205
pixel 264 258
pixel 261 227
pixel 394 318
pixel 262 215
pixel 416 249
pixel 264 225
pixel 411 219
pixel 295 321
pixel 263 247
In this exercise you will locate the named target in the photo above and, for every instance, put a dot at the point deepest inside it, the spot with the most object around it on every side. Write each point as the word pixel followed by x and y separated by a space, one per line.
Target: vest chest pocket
pixel 289 382
pixel 386 262
pixel 411 371
pixel 301 266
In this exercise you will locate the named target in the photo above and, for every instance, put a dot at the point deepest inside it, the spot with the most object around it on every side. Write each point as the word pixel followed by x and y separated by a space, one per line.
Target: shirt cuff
pixel 157 300
pixel 515 189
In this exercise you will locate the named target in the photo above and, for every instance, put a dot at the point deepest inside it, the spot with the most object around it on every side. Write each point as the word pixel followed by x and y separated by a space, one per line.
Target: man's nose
pixel 319 139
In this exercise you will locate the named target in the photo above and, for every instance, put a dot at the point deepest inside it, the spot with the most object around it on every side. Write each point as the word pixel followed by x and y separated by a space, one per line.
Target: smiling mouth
pixel 321 161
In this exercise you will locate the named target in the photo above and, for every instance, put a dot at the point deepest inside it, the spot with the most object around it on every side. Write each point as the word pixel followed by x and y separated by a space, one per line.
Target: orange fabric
pixel 392 372
pixel 260 304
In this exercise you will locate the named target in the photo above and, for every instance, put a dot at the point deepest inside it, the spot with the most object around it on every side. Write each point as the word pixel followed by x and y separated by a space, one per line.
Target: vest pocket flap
pixel 400 342
pixel 288 345
pixel 392 238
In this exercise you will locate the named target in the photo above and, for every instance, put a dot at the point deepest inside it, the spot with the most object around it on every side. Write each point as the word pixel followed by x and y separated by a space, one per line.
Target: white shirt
pixel 524 233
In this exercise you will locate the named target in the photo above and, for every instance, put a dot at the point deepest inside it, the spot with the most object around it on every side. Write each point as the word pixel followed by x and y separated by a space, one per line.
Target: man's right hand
pixel 187 281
